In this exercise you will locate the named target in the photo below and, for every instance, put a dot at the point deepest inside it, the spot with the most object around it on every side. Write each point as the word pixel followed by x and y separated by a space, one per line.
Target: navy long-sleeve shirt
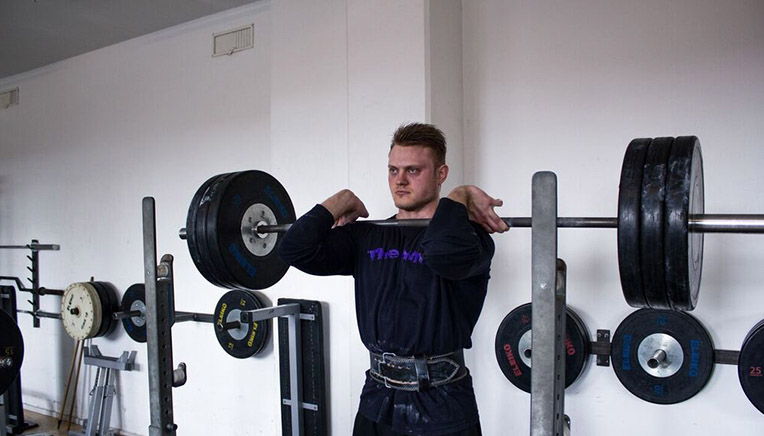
pixel 418 291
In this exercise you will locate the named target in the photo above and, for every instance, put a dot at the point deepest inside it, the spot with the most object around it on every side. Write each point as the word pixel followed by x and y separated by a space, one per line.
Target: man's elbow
pixel 289 253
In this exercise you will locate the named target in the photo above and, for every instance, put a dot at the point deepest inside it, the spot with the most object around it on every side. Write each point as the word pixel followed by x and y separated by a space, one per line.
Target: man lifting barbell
pixel 419 291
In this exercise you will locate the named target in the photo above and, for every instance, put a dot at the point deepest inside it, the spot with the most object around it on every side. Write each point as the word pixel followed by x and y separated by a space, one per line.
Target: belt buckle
pixel 385 362
pixel 384 356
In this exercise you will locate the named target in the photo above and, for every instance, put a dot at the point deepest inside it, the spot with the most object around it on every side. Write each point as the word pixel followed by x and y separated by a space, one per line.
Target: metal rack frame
pixel 162 377
pixel 548 297
pixel 35 290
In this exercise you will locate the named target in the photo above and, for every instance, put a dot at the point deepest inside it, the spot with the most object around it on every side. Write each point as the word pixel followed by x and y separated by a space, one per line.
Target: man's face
pixel 413 177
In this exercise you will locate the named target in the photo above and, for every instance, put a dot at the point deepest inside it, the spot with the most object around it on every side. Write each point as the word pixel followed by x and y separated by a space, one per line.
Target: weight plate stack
pixel 211 231
pixel 751 366
pixel 652 235
pixel 513 346
pixel 87 308
pixel 220 226
pixel 194 238
pixel 246 340
pixel 246 192
pixel 684 197
pixel 81 311
pixel 629 207
pixel 12 347
pixel 108 298
pixel 662 356
pixel 218 275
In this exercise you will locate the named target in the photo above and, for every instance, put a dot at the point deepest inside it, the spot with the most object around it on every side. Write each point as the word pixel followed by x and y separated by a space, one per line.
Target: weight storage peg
pixel 662 356
pixel 240 340
pixel 133 313
pixel 513 346
pixel 234 220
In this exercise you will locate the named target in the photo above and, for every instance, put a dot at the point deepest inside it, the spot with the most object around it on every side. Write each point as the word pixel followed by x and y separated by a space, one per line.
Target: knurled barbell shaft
pixel 707 223
pixel 697 223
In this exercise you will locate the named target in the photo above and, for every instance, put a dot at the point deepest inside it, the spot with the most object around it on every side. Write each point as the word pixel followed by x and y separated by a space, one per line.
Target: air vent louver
pixel 9 97
pixel 231 41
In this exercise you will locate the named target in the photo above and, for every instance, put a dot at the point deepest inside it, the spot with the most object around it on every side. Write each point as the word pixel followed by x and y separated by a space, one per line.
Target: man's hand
pixel 345 207
pixel 480 207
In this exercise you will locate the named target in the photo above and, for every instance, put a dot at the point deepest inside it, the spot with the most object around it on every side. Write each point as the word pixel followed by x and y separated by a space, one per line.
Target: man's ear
pixel 442 172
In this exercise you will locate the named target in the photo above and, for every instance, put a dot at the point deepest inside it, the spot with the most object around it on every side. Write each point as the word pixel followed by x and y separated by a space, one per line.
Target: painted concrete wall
pixel 518 87
pixel 564 87
pixel 154 116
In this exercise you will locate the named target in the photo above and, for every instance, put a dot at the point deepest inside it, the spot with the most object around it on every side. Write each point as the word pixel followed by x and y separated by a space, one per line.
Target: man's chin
pixel 404 206
pixel 409 207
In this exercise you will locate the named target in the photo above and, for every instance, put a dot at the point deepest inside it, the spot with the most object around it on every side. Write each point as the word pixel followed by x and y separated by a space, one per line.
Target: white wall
pixel 564 86
pixel 314 104
pixel 154 116
pixel 545 86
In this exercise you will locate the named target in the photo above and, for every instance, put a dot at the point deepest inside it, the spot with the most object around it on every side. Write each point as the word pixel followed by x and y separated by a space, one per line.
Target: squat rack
pixel 162 377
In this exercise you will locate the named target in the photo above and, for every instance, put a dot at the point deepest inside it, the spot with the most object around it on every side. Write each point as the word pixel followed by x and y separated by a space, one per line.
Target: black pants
pixel 365 427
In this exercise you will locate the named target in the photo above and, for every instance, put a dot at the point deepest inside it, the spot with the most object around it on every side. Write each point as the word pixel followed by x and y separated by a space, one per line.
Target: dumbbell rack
pixel 162 377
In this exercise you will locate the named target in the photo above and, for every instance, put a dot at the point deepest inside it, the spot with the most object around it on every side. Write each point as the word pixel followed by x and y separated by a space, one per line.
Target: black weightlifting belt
pixel 417 373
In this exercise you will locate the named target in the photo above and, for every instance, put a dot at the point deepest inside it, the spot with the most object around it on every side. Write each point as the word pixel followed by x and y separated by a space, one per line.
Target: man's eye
pixel 413 170
pixel 393 170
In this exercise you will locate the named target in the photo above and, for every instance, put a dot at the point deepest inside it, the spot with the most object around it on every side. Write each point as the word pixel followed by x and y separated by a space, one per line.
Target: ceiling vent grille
pixel 231 41
pixel 9 98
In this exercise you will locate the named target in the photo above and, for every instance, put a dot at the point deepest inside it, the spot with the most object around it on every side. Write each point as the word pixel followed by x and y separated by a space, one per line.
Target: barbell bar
pixel 706 223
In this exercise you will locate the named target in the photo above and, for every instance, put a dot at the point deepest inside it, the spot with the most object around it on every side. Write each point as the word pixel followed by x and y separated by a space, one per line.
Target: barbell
pixel 234 221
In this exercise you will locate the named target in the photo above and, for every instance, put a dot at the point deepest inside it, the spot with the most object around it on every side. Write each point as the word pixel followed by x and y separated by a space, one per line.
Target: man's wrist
pixel 336 203
pixel 459 194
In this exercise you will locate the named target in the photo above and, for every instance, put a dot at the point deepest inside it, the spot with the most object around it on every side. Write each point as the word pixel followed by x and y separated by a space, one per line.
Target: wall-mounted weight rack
pixel 661 356
pixel 36 290
pixel 13 421
pixel 548 302
pixel 159 308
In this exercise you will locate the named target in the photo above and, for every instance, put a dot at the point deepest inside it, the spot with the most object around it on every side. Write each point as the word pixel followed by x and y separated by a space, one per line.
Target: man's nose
pixel 400 179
